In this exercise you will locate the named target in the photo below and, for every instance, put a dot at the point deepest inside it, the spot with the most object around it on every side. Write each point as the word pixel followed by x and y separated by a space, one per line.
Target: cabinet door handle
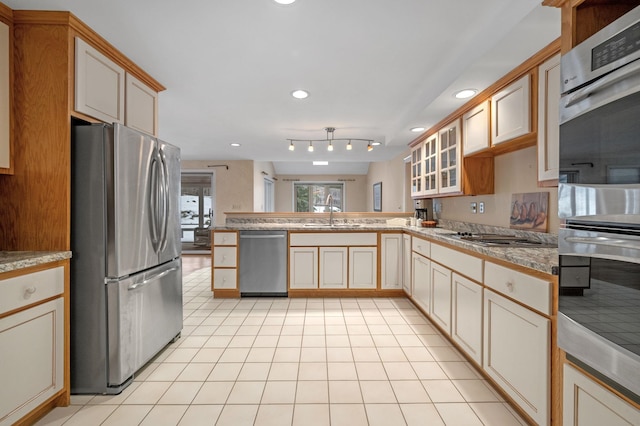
pixel 510 286
pixel 29 291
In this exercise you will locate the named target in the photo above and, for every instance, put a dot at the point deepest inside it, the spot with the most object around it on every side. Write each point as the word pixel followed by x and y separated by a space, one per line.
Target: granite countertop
pixel 12 260
pixel 539 259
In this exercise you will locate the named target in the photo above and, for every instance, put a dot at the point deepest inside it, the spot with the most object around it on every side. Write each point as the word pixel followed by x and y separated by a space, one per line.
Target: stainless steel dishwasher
pixel 263 263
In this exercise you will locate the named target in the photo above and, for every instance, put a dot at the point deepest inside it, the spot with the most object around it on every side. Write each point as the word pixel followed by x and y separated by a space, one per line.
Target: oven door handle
pixel 603 83
pixel 606 241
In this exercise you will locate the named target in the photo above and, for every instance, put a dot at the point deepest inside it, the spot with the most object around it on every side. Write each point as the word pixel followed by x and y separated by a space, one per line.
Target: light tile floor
pixel 279 361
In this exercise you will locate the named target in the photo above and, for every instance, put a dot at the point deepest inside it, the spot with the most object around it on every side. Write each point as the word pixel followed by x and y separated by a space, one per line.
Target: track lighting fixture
pixel 330 139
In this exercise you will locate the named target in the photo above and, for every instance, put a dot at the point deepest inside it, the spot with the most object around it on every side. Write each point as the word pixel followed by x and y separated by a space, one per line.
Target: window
pixel 314 197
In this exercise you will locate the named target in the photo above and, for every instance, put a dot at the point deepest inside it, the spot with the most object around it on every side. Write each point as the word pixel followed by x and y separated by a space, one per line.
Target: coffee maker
pixel 423 209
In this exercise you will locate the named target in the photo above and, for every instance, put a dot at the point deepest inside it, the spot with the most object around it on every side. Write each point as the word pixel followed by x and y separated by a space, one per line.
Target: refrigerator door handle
pixel 153 203
pixel 151 279
pixel 164 191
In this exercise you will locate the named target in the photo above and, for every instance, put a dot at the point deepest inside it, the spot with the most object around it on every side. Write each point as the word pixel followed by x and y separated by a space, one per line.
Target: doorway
pixel 196 211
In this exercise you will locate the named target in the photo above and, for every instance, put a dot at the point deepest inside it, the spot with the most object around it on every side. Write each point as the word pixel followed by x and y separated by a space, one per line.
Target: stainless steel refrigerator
pixel 126 277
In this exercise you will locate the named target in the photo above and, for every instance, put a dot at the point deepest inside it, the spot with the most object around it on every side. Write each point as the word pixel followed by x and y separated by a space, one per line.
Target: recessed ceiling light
pixel 300 94
pixel 466 93
pixel 375 143
pixel 417 129
pixel 320 163
pixel 284 1
pixel 235 144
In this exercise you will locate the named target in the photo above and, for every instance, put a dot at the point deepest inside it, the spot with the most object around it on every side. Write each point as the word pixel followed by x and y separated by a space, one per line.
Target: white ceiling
pixel 374 68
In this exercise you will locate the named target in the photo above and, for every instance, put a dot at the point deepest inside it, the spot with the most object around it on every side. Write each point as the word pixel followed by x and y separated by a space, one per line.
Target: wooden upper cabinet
pixel 511 111
pixel 583 18
pixel 549 120
pixel 475 129
pixel 6 95
pixel 141 106
pixel 99 84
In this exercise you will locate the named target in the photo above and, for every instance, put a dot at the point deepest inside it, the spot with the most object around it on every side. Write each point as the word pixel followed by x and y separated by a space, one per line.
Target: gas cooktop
pixel 500 240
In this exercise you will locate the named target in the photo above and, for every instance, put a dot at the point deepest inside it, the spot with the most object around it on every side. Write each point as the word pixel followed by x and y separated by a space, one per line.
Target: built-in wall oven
pixel 599 205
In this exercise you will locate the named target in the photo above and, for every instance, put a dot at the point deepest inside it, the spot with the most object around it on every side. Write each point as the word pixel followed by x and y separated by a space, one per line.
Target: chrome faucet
pixel 329 203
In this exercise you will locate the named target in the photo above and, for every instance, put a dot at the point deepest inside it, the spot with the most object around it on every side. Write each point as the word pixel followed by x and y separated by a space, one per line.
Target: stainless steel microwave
pixel 599 204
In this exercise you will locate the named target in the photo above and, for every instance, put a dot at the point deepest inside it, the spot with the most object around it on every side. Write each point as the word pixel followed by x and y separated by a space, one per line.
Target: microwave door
pixel 130 244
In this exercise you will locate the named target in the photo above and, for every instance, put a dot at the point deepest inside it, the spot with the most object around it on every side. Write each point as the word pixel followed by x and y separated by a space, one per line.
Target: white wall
pixel 396 193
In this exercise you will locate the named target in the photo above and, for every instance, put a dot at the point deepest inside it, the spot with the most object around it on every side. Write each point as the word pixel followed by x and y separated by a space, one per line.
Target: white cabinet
pixel 548 119
pixel 511 111
pixel 466 316
pixel 421 277
pixel 333 267
pixel 391 264
pixel 431 165
pixel 406 263
pixel 363 266
pixel 224 261
pixel 31 342
pixel 141 106
pixel 475 129
pixel 587 403
pixel 99 85
pixel 103 90
pixel 450 159
pixel 5 96
pixel 516 354
pixel 303 267
pixel 441 296
pixel 417 170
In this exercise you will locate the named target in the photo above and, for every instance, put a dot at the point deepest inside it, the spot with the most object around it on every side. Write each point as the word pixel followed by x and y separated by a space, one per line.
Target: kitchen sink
pixel 335 225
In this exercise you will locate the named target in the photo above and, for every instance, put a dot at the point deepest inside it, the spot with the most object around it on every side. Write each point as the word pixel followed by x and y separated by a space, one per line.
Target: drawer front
pixel 225 256
pixel 30 288
pixel 421 246
pixel 225 278
pixel 533 292
pixel 318 239
pixel 469 266
pixel 225 238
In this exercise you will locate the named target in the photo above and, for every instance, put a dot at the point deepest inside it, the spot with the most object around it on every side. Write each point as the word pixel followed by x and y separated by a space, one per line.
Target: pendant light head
pixel 330 146
pixel 310 149
pixel 369 147
pixel 291 147
pixel 349 146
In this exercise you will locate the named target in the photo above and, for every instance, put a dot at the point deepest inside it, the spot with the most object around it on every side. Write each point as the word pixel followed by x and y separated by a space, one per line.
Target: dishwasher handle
pixel 260 237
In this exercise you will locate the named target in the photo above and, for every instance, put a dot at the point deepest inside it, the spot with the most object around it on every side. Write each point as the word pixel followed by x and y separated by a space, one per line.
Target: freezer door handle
pixel 151 279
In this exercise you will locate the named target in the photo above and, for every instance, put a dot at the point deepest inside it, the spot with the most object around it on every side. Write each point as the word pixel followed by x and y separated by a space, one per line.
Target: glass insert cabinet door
pixel 417 174
pixel 431 165
pixel 450 158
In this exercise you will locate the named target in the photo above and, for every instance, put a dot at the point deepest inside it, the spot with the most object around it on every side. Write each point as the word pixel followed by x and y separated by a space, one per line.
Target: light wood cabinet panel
pixel 141 106
pixel 363 267
pixel 511 111
pixel 333 267
pixel 421 280
pixel 475 133
pixel 516 354
pixel 587 403
pixel 6 91
pixel 549 119
pixel 466 316
pixel 406 263
pixel 441 296
pixel 99 85
pixel 303 267
pixel 391 261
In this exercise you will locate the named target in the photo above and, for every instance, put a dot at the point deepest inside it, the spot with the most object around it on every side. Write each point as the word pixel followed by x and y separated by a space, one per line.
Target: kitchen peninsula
pixel 498 305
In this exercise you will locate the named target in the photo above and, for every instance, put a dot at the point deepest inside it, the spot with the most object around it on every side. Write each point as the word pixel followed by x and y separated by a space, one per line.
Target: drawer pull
pixel 224 259
pixel 510 286
pixel 29 291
